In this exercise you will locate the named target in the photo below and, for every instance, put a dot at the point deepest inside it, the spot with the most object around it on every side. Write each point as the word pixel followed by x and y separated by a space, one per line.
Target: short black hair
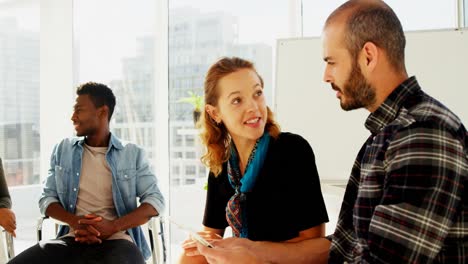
pixel 100 95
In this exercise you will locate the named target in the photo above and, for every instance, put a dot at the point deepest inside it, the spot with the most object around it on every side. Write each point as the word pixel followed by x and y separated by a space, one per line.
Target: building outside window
pixel 200 33
pixel 190 155
pixel 19 92
pixel 119 52
pixel 19 111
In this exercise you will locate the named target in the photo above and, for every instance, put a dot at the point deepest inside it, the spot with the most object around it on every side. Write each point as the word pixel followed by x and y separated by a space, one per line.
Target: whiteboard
pixel 306 105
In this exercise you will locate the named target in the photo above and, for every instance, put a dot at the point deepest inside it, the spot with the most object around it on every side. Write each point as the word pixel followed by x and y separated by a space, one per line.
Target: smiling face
pixel 86 117
pixel 241 106
pixel 344 73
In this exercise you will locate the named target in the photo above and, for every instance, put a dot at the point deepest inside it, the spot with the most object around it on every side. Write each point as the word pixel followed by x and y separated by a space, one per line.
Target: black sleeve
pixel 307 207
pixel 218 194
pixel 5 200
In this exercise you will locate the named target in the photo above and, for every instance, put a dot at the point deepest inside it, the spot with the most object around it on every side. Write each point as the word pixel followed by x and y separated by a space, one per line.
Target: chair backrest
pixel 7 250
pixel 157 240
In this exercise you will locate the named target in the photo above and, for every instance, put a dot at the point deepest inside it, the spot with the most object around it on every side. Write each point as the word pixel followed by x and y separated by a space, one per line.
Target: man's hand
pixel 8 220
pixel 88 228
pixel 99 226
pixel 84 236
pixel 85 233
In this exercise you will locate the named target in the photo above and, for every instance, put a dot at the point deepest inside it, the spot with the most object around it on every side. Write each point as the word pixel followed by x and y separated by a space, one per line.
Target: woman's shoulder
pixel 288 139
pixel 291 145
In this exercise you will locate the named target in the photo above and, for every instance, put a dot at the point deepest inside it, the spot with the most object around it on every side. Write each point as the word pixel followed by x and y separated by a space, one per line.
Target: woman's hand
pixel 230 255
pixel 8 220
pixel 190 245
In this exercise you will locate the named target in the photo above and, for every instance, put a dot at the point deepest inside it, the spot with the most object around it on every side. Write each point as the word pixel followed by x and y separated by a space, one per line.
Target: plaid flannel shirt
pixel 405 200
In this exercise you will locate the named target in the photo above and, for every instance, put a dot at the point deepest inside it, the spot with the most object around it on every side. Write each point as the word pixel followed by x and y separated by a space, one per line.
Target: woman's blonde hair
pixel 215 136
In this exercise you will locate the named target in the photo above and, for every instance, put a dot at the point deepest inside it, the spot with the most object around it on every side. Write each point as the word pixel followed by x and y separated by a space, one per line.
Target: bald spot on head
pixel 370 21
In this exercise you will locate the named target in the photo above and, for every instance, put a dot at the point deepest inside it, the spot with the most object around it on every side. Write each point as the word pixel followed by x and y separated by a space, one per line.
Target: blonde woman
pixel 262 183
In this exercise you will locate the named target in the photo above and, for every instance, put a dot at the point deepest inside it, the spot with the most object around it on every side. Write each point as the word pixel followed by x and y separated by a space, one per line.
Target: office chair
pixel 6 246
pixel 155 232
pixel 7 251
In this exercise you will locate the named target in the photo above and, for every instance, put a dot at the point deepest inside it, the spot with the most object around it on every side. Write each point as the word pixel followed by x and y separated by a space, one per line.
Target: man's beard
pixel 357 91
pixel 86 132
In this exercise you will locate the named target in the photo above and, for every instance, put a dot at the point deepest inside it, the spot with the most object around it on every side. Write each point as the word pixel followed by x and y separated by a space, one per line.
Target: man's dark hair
pixel 372 21
pixel 100 95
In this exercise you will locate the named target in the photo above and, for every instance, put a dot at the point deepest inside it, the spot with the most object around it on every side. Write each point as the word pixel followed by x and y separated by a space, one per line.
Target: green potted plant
pixel 196 101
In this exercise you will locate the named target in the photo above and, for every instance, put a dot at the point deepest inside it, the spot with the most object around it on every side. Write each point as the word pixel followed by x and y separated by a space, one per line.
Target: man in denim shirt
pixel 92 185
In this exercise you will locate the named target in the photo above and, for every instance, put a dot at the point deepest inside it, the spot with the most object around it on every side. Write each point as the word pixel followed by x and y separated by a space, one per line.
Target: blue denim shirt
pixel 131 178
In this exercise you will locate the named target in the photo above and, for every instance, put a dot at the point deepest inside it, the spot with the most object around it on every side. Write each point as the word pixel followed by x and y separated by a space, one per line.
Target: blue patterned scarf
pixel 236 213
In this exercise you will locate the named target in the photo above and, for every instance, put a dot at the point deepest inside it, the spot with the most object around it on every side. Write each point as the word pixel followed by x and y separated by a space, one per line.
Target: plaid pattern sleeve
pixel 344 243
pixel 405 201
pixel 421 200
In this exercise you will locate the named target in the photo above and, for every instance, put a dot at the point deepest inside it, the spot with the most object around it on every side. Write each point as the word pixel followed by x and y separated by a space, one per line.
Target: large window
pixel 19 91
pixel 414 15
pixel 115 46
pixel 426 14
pixel 19 109
pixel 314 14
pixel 200 32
